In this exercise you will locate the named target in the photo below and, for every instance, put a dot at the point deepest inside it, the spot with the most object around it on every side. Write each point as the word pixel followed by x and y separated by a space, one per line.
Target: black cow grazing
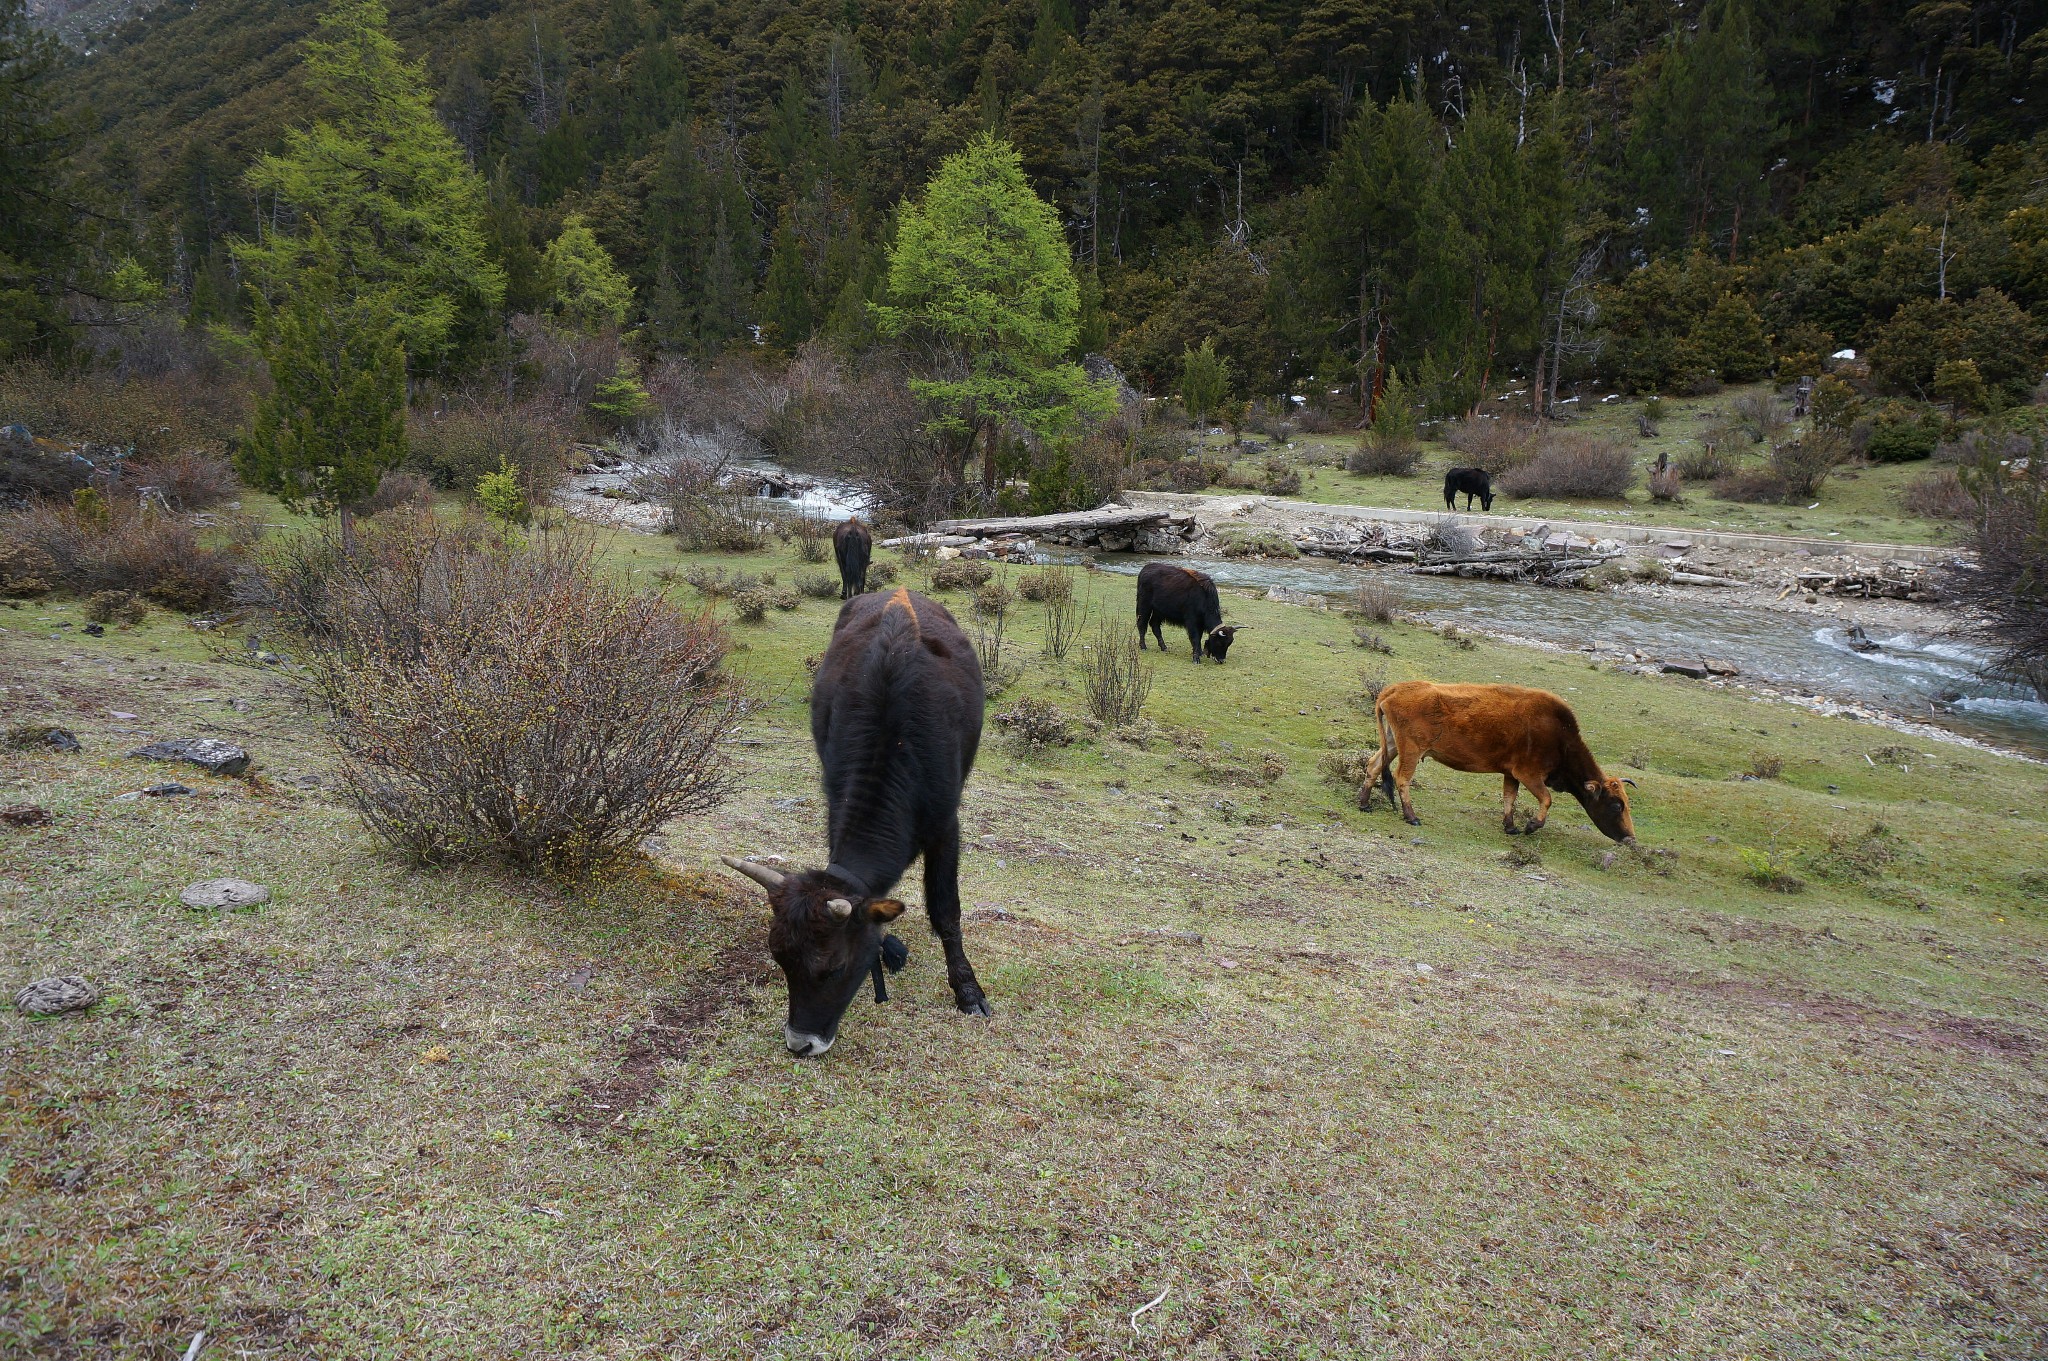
pixel 896 718
pixel 853 546
pixel 1177 595
pixel 1471 481
pixel 1219 640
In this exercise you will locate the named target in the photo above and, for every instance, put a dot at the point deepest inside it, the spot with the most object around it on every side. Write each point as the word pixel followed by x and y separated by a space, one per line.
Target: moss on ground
pixel 1347 1087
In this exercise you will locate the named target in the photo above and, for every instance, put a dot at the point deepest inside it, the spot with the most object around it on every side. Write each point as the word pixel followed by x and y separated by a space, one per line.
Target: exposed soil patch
pixel 1930 1027
pixel 679 1027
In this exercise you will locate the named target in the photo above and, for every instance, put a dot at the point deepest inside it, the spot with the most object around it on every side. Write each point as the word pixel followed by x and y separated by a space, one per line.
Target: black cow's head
pixel 1606 803
pixel 1219 640
pixel 827 938
pixel 1486 497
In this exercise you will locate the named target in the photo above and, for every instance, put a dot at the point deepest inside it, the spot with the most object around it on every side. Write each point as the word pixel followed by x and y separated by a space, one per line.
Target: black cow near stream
pixel 1186 598
pixel 852 546
pixel 896 718
pixel 1472 482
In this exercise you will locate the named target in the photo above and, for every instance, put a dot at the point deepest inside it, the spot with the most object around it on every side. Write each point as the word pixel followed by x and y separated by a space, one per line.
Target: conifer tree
pixel 980 273
pixel 334 420
pixel 397 204
pixel 590 292
pixel 38 241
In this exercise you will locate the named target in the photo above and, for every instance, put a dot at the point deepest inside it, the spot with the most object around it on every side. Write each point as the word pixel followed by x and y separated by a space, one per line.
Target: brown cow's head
pixel 1606 803
pixel 826 938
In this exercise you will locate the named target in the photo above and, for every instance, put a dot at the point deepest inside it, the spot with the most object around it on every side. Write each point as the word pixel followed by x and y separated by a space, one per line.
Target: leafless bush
pixel 1495 445
pixel 565 367
pixel 2008 588
pixel 960 574
pixel 499 698
pixel 125 547
pixel 1378 456
pixel 116 607
pixel 156 415
pixel 1667 484
pixel 1705 463
pixel 1371 642
pixel 399 488
pixel 1281 478
pixel 1313 420
pixel 1756 485
pixel 690 475
pixel 1572 466
pixel 1116 675
pixel 189 479
pixel 1372 680
pixel 1939 495
pixel 1066 614
pixel 992 601
pixel 1761 415
pixel 1377 601
pixel 1804 464
pixel 1344 768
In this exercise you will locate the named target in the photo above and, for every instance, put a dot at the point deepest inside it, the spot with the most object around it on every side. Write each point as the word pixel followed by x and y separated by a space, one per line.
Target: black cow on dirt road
pixel 1187 599
pixel 896 718
pixel 853 546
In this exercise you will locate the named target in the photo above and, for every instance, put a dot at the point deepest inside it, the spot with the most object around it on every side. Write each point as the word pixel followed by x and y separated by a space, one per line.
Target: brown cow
pixel 1530 738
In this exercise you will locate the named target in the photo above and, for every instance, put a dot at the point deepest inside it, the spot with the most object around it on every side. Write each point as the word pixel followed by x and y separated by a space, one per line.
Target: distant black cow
pixel 896 718
pixel 1472 482
pixel 1177 595
pixel 853 546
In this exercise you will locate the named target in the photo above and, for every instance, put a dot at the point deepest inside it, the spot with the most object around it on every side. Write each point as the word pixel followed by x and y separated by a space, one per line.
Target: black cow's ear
pixel 884 910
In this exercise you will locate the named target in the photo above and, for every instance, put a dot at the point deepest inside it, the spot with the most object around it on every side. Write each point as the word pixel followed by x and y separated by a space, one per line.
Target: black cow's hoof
pixel 977 1007
pixel 1510 829
pixel 895 954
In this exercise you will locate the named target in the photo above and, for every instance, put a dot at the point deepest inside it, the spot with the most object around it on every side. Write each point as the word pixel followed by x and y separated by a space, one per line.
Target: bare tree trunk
pixel 1536 387
pixel 988 463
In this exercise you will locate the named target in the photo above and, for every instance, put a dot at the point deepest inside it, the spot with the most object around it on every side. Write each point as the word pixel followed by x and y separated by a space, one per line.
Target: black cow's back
pixel 852 547
pixel 896 713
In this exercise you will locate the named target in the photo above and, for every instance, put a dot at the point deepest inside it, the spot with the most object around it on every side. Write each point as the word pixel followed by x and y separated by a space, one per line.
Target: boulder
pixel 210 754
pixel 213 894
pixel 1696 672
pixel 52 996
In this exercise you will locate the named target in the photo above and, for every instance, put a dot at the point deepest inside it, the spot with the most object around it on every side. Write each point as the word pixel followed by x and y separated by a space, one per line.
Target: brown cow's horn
pixel 760 874
pixel 839 907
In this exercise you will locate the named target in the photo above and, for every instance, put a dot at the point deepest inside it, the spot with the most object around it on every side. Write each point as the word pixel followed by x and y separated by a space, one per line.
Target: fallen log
pixel 1082 522
pixel 1702 579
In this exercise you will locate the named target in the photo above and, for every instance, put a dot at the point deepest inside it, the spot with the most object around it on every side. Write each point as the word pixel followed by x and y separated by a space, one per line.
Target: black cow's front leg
pixel 942 905
pixel 1194 642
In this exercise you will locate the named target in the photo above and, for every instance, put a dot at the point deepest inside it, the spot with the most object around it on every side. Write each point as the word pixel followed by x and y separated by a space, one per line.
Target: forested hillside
pixel 1662 194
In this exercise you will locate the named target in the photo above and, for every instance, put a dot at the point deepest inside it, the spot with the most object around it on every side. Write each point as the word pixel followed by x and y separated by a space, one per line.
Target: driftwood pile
pixel 1893 581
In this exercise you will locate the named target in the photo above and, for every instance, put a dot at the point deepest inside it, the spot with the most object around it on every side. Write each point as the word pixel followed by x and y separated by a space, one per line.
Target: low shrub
pixel 399 488
pixel 881 573
pixel 1766 870
pixel 1378 601
pixel 1046 583
pixel 1037 723
pixel 1761 415
pixel 115 607
pixel 1372 680
pixel 1378 457
pixel 1805 463
pixel 751 606
pixel 1314 420
pixel 1704 463
pixel 1371 642
pixel 1939 495
pixel 197 406
pixel 1244 541
pixel 1572 466
pixel 1344 768
pixel 459 447
pixel 1116 675
pixel 1903 433
pixel 813 548
pixel 99 545
pixel 817 585
pixel 1765 765
pixel 1495 445
pixel 492 697
pixel 1859 857
pixel 1281 479
pixel 190 479
pixel 1667 484
pixel 1760 485
pixel 961 574
pixel 25 570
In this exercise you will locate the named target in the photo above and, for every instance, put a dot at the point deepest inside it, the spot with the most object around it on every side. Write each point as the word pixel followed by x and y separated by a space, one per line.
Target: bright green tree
pixel 333 421
pixel 1731 338
pixel 501 496
pixel 591 293
pixel 1204 381
pixel 399 207
pixel 980 273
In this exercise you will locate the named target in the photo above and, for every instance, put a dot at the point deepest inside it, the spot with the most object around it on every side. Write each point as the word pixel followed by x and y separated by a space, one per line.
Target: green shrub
pixel 115 607
pixel 751 606
pixel 817 585
pixel 1903 433
pixel 502 498
pixel 961 574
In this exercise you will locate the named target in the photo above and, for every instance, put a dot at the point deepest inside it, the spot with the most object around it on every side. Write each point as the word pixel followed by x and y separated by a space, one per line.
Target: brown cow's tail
pixel 1387 753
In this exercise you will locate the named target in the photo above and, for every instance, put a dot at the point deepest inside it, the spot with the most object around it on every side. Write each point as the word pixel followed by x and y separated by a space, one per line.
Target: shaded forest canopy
pixel 1317 187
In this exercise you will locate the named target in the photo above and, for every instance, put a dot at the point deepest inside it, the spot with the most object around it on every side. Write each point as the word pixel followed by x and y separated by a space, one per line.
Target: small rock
pixel 1226 964
pixel 1425 969
pixel 26 815
pixel 95 630
pixel 210 894
pixel 1717 667
pixel 240 706
pixel 121 713
pixel 166 791
pixel 209 754
pixel 52 996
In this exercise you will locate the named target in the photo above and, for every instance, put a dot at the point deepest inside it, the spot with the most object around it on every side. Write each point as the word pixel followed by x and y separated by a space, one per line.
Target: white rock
pixel 218 893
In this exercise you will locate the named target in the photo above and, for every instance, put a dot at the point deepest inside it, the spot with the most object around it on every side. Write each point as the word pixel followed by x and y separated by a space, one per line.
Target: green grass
pixel 1860 504
pixel 1632 1106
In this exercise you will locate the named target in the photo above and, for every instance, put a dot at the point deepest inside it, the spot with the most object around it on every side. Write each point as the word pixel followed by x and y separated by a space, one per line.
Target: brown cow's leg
pixel 1542 805
pixel 1508 789
pixel 942 905
pixel 1372 777
pixel 1404 771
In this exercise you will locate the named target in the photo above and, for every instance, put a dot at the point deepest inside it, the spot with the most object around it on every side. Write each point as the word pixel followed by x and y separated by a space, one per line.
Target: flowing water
pixel 1930 680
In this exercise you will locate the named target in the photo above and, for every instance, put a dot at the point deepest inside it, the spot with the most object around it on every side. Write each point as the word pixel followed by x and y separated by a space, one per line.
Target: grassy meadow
pixel 1857 503
pixel 1320 1084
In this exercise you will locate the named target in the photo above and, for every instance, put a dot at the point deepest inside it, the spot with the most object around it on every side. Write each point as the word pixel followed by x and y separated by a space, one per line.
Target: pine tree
pixel 1204 381
pixel 1731 339
pixel 398 205
pixel 38 223
pixel 590 293
pixel 334 420
pixel 980 272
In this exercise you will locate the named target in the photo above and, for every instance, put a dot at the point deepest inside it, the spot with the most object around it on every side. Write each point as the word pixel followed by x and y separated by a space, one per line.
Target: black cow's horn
pixel 760 874
pixel 839 907
pixel 1627 781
